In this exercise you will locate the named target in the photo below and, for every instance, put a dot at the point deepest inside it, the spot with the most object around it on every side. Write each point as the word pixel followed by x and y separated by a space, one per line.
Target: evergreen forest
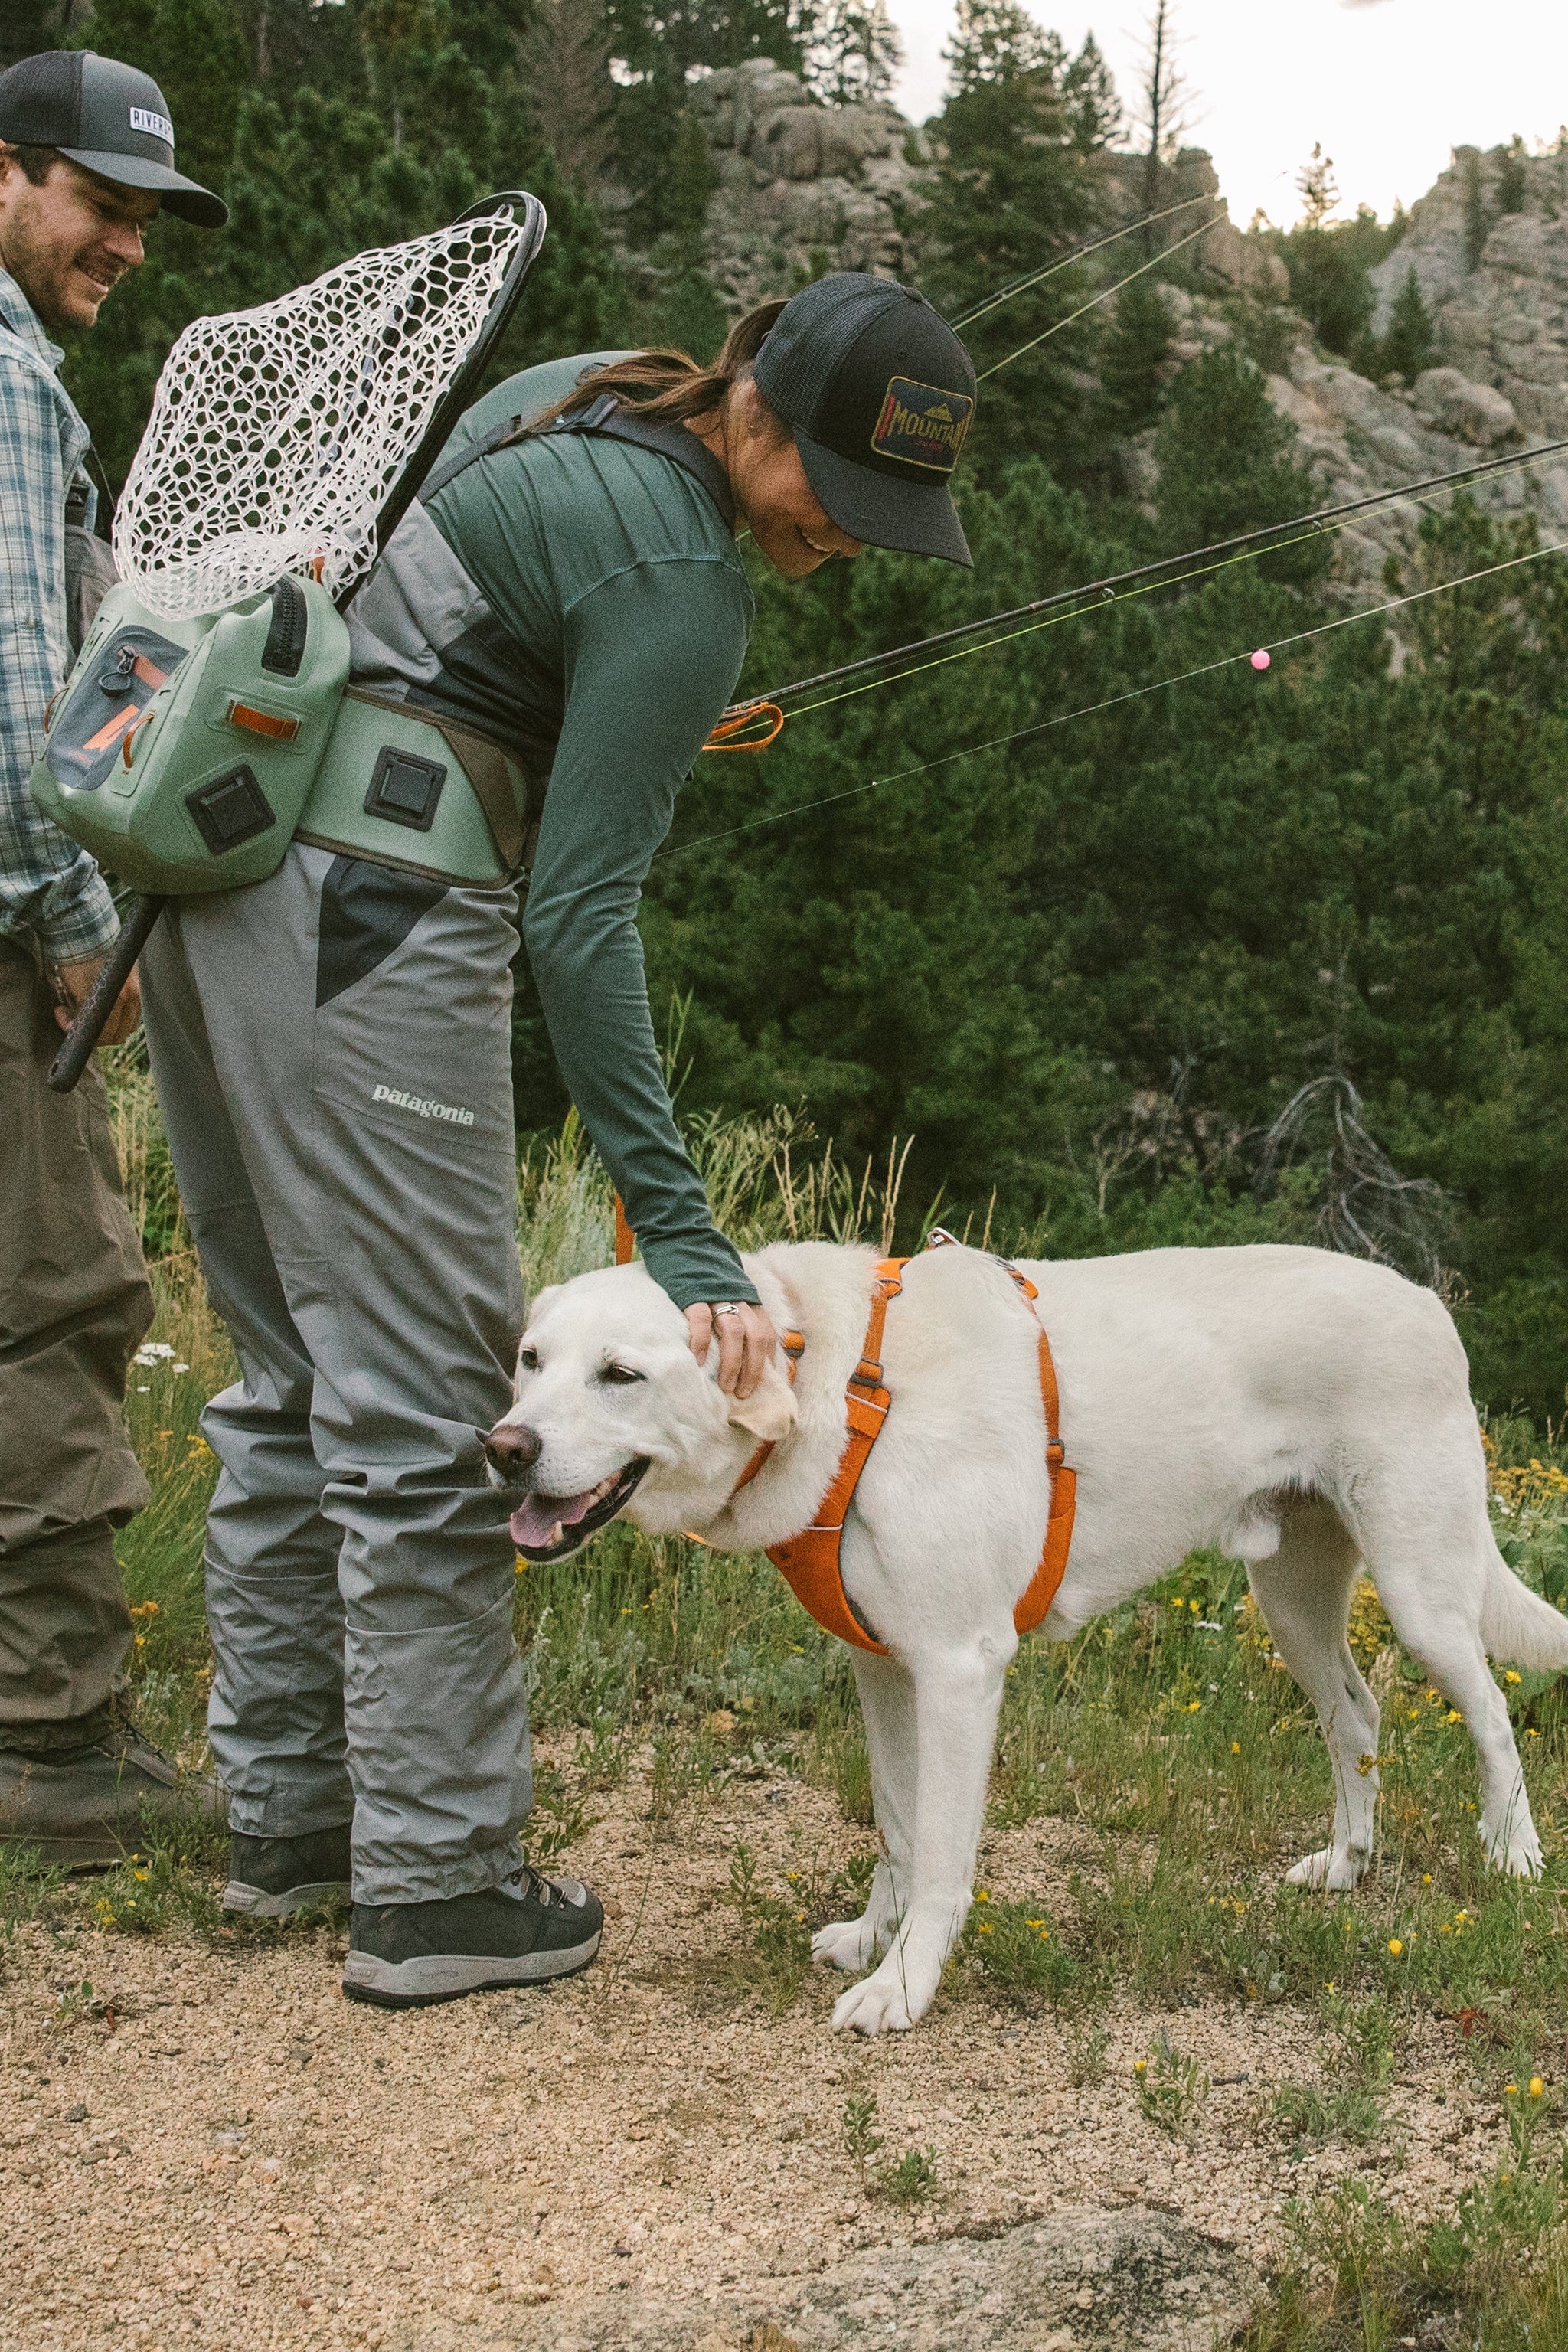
pixel 1264 955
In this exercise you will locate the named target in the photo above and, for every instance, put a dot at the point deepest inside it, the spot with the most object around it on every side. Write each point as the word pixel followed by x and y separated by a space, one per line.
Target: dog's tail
pixel 1517 1624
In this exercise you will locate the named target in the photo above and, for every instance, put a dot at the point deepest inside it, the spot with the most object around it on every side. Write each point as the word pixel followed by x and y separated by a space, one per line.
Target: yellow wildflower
pixel 1394 1946
pixel 1513 1676
pixel 1536 2086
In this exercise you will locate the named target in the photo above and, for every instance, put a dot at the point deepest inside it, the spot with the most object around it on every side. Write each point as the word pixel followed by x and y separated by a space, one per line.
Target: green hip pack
pixel 186 754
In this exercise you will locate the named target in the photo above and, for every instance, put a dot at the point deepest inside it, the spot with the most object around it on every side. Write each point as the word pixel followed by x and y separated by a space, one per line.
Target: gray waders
pixel 331 1051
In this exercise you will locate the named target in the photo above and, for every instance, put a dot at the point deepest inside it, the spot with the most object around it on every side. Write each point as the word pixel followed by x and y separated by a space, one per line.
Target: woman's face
pixel 776 502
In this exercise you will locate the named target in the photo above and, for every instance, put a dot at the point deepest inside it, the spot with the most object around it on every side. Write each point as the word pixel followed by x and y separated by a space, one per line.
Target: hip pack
pixel 182 752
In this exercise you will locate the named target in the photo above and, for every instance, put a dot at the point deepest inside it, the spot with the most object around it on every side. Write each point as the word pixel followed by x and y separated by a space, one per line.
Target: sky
pixel 1388 86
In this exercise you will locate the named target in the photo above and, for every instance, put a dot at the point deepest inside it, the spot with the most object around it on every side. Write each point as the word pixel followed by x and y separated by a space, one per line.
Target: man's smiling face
pixel 68 239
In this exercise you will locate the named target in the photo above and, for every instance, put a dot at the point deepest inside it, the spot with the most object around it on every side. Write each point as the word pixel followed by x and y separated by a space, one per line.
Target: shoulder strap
pixel 607 417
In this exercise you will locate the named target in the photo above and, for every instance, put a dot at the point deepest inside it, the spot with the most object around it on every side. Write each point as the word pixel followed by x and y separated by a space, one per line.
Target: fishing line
pixel 1112 586
pixel 1104 296
pixel 1113 701
pixel 1038 277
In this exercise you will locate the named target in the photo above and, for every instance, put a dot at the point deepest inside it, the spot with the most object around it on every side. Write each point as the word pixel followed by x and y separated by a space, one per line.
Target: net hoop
pixel 291 436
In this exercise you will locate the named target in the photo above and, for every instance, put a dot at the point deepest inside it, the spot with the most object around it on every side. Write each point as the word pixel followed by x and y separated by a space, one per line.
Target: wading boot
pixel 271 1877
pixel 408 1955
pixel 84 1794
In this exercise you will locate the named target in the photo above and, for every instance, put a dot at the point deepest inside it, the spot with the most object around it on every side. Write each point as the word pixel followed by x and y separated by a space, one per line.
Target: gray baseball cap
pixel 107 117
pixel 880 395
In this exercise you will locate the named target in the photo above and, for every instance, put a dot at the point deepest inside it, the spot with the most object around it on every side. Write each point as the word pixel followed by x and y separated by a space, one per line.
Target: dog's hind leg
pixel 887 1705
pixel 958 1695
pixel 1431 1555
pixel 1304 1592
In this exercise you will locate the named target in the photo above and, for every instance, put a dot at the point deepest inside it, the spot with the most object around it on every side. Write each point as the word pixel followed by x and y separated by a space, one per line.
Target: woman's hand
pixel 747 1342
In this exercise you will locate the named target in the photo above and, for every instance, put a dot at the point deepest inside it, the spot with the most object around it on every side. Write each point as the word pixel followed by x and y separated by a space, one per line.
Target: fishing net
pixel 278 434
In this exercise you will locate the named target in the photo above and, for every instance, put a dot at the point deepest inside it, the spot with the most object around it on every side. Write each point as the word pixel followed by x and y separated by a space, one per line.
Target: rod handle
pixel 135 929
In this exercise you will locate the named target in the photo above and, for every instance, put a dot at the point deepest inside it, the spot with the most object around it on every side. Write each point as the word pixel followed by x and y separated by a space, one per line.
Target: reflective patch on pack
pixel 922 424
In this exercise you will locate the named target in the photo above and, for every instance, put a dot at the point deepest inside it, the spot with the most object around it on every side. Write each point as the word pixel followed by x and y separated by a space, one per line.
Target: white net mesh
pixel 276 434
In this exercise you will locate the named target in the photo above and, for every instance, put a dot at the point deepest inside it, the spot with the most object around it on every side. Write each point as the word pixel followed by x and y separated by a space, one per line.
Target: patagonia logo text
pixel 152 126
pixel 922 424
pixel 453 1113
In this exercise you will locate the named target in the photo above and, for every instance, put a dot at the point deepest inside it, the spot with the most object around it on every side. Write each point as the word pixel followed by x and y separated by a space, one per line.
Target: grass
pixel 1167 1739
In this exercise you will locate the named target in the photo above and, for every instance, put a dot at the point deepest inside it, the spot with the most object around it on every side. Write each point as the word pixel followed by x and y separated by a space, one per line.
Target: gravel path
pixel 237 2158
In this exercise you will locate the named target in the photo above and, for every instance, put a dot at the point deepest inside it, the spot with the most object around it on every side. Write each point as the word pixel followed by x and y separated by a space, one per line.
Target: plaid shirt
pixel 48 886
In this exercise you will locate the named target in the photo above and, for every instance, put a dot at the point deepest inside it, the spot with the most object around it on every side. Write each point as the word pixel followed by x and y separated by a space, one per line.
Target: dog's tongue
pixel 537 1522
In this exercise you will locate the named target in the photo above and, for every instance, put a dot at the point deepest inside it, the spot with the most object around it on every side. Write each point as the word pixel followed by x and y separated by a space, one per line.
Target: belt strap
pixel 488 768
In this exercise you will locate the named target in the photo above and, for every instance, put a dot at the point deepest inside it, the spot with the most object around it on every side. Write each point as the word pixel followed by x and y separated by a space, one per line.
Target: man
pixel 86 158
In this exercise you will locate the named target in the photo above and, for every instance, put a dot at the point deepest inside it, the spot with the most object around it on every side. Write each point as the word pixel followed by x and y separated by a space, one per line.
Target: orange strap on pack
pixel 739 733
pixel 626 1239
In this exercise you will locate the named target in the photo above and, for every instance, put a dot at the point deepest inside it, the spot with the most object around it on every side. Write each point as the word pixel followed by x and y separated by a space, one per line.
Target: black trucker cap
pixel 880 395
pixel 107 117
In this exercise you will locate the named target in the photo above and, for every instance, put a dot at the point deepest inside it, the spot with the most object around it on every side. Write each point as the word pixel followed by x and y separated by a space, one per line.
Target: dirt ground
pixel 235 2155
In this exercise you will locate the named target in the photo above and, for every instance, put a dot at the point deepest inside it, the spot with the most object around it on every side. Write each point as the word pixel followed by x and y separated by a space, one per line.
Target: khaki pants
pixel 74 1305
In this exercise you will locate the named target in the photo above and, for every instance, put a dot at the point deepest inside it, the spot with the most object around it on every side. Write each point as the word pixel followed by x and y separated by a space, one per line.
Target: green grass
pixel 1181 1759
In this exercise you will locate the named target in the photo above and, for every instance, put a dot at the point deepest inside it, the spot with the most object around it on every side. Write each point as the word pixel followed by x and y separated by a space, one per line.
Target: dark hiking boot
pixel 270 1877
pixel 408 1955
pixel 86 1794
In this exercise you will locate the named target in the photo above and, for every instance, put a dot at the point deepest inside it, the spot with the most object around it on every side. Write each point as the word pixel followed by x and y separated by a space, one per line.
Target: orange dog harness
pixel 810 1562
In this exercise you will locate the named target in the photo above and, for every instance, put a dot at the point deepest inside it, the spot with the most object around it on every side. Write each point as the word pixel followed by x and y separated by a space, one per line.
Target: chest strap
pixel 810 1562
pixel 612 421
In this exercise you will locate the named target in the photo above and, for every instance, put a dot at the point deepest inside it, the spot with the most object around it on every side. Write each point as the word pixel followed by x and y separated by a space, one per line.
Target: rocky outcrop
pixel 801 186
pixel 1495 279
pixel 804 187
pixel 1137 2279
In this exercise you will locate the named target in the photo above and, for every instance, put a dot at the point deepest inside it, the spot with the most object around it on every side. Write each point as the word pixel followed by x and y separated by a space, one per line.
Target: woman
pixel 560 620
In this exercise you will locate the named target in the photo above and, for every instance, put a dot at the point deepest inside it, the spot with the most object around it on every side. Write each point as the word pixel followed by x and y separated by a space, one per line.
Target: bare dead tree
pixel 1365 1208
pixel 1164 91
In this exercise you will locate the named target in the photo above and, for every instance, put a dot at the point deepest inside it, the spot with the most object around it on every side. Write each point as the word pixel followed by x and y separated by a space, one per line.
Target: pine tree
pixel 1511 182
pixel 1093 107
pixel 1476 221
pixel 1133 351
pixel 996 41
pixel 1315 184
pixel 1015 189
pixel 855 52
pixel 566 68
pixel 1410 346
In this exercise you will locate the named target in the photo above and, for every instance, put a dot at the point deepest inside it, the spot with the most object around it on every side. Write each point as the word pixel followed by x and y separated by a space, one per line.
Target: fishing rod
pixel 1259 659
pixel 1037 277
pixel 1266 539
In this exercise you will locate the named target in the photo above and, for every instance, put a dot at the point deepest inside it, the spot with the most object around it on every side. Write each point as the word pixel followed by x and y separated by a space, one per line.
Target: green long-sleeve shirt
pixel 620 619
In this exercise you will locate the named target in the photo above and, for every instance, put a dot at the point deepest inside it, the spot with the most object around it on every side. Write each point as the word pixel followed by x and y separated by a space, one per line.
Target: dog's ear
pixel 769 1411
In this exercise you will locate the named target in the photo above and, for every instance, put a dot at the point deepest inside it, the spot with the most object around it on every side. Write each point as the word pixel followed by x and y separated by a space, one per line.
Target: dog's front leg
pixel 888 1706
pixel 958 1694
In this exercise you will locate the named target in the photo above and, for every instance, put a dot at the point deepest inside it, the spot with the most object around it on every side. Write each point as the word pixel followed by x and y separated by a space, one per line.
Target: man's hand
pixel 76 982
pixel 747 1341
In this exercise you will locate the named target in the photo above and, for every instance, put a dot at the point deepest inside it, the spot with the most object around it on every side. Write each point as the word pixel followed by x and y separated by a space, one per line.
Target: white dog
pixel 1306 1413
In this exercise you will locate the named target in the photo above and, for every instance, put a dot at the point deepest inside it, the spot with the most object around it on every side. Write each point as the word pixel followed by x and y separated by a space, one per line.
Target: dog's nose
pixel 511 1449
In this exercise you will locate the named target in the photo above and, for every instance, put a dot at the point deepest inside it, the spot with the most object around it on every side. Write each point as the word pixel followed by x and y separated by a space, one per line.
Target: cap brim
pixel 917 518
pixel 181 197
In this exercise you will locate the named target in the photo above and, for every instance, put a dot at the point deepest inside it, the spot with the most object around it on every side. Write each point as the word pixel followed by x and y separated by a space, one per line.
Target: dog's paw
pixel 847 1944
pixel 876 2005
pixel 1336 1871
pixel 1517 1854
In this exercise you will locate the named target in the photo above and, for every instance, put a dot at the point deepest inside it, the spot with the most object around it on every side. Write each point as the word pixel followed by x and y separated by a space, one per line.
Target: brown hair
pixel 37 163
pixel 670 384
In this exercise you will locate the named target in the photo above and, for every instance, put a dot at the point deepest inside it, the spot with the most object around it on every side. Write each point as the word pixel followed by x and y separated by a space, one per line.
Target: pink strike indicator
pixel 1260 658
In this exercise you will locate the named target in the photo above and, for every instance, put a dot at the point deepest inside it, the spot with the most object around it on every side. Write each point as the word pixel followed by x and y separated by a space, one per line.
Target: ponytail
pixel 668 384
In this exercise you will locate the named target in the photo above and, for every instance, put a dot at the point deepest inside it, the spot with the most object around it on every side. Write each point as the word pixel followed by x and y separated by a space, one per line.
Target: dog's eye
pixel 620 1376
pixel 528 1361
